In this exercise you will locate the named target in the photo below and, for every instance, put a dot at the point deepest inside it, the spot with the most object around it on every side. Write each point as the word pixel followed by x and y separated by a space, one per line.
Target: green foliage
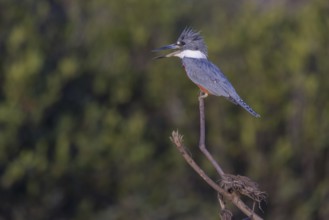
pixel 85 113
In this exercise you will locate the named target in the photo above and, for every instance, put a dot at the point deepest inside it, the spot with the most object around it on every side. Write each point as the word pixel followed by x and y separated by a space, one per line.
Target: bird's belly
pixel 203 89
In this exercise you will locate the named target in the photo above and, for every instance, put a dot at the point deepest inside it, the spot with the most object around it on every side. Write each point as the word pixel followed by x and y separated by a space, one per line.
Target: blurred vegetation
pixel 85 113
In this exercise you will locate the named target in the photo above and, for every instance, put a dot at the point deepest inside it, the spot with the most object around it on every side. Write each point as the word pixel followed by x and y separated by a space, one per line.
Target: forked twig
pixel 202 142
pixel 227 188
pixel 177 139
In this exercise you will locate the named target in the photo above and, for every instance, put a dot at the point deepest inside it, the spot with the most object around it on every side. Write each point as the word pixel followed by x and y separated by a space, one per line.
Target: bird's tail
pixel 247 108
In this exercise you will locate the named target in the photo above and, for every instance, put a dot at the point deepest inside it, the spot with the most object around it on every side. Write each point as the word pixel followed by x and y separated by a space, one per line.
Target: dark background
pixel 86 114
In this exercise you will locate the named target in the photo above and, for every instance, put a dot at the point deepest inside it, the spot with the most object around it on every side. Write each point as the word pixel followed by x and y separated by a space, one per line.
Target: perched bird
pixel 192 50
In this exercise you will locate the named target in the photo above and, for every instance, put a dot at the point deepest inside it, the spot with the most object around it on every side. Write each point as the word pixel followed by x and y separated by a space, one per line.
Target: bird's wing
pixel 204 73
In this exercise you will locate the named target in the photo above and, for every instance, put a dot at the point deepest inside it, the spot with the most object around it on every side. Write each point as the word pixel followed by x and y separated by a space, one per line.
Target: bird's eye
pixel 180 43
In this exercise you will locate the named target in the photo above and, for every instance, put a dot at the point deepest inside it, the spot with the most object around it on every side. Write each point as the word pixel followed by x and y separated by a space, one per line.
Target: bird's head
pixel 189 44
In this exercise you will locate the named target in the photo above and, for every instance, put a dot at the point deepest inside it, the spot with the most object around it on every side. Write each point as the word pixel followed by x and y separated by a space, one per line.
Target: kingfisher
pixel 192 50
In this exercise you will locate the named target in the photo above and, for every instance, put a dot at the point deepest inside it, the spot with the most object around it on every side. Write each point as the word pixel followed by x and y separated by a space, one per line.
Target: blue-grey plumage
pixel 208 76
pixel 193 52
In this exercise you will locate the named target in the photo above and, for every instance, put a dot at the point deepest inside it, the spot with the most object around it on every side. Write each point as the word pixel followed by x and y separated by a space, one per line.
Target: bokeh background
pixel 86 114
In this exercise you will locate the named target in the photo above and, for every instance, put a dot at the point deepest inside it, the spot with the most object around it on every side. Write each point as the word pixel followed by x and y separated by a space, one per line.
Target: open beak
pixel 167 47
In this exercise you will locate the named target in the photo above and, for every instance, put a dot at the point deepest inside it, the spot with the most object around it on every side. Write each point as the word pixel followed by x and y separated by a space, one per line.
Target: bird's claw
pixel 203 95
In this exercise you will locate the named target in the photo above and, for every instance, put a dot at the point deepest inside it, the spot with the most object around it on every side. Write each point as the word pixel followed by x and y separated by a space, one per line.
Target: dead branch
pixel 230 187
pixel 202 142
pixel 177 139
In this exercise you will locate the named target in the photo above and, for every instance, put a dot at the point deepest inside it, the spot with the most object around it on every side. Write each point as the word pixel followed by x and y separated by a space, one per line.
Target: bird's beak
pixel 167 47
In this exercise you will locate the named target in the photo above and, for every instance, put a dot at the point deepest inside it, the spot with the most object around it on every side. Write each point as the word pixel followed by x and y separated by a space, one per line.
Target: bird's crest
pixel 189 33
pixel 191 39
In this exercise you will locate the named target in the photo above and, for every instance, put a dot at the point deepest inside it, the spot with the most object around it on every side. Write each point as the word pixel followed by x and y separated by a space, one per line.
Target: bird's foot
pixel 203 95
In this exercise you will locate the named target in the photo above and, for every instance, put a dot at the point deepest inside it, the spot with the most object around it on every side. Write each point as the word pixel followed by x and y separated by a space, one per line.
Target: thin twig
pixel 232 196
pixel 177 139
pixel 202 142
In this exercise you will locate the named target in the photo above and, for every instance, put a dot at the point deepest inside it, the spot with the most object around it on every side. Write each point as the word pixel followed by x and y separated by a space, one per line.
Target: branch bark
pixel 202 142
pixel 177 139
pixel 232 196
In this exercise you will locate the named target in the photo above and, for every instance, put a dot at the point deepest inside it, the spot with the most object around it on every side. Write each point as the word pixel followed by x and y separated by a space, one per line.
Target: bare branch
pixel 202 142
pixel 231 186
pixel 225 214
pixel 177 139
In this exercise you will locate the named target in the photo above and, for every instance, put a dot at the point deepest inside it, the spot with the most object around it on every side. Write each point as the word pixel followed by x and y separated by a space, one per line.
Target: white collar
pixel 191 54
